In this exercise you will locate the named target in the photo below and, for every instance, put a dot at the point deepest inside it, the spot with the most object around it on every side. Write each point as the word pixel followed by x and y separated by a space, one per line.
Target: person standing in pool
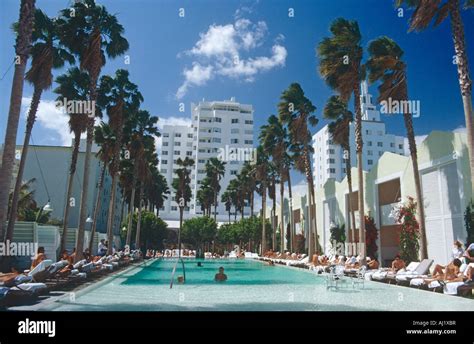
pixel 220 276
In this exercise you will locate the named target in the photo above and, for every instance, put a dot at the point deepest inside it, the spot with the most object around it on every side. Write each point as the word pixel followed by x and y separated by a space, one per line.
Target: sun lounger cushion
pixel 79 264
pixel 31 287
pixel 452 288
pixel 40 267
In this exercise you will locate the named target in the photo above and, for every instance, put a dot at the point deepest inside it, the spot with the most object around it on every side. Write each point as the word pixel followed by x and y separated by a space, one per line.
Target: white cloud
pixel 221 49
pixel 51 118
pixel 196 76
pixel 460 130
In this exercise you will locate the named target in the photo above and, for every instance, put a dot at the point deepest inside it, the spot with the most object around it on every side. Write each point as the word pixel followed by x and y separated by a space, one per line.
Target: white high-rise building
pixel 328 158
pixel 221 129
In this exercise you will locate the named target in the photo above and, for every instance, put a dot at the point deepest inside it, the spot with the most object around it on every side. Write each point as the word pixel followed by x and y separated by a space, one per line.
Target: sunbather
pixel 40 256
pixel 450 273
pixel 398 263
pixel 372 264
pixel 220 276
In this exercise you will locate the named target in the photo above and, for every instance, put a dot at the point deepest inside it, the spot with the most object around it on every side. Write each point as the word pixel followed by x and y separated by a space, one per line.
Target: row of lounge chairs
pixel 416 274
pixel 48 276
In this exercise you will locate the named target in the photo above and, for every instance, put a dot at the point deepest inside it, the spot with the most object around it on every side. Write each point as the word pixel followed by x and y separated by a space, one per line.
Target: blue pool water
pixel 251 286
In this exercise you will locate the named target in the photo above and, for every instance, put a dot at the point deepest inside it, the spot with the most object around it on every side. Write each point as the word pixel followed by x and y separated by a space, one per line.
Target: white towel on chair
pixel 452 288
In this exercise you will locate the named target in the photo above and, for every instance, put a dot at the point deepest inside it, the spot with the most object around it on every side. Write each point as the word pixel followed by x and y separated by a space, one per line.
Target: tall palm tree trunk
pixel 130 214
pixel 349 183
pixel 24 153
pixel 282 201
pixel 264 213
pixel 97 207
pixel 139 219
pixel 251 203
pixel 465 81
pixel 360 173
pixel 313 234
pixel 22 50
pixel 274 225
pixel 181 210
pixel 111 213
pixel 292 222
pixel 72 172
pixel 420 209
pixel 215 206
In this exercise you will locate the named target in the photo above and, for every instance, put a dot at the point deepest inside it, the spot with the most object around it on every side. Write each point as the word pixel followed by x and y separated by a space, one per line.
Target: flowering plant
pixel 405 215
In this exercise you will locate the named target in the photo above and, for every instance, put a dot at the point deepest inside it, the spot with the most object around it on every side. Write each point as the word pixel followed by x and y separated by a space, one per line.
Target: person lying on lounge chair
pixel 448 272
pixel 352 263
pixel 40 256
pixel 398 263
pixel 9 276
pixel 372 264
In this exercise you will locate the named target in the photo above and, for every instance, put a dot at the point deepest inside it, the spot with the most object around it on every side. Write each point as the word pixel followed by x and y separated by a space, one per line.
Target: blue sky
pixel 164 45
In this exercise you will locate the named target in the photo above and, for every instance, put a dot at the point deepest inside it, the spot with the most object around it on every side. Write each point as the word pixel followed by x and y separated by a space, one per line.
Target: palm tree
pixel 248 184
pixel 91 34
pixel 296 111
pixel 274 138
pixel 182 190
pixel 427 11
pixel 139 131
pixel 226 198
pixel 119 97
pixel 73 86
pixel 215 170
pixel 272 183
pixel 337 110
pixel 105 138
pixel 157 190
pixel 262 176
pixel 22 51
pixel 340 65
pixel 47 53
pixel 26 199
pixel 386 65
pixel 146 163
pixel 205 196
pixel 232 189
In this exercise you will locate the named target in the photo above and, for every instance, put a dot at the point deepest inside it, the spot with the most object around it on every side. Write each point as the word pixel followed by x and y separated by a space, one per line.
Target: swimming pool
pixel 251 286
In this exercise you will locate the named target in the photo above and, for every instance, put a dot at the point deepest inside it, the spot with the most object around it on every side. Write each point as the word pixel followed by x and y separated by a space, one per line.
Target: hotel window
pixel 369 152
pixel 189 153
pixel 343 170
pixel 202 161
pixel 248 142
pixel 248 121
pixel 331 161
pixel 369 143
pixel 201 171
pixel 400 146
pixel 392 144
pixel 165 144
pixel 166 135
pixel 218 119
pixel 164 170
pixel 380 132
pixel 233 172
pixel 380 153
pixel 216 130
pixel 234 131
pixel 368 132
pixel 164 162
pixel 370 162
pixel 379 144
pixel 234 162
pixel 331 170
pixel 329 142
pixel 175 161
pixel 174 208
pixel 330 151
pixel 235 120
pixel 176 152
pixel 189 144
pixel 177 144
pixel 164 153
pixel 216 139
pixel 177 134
pixel 190 136
pixel 234 140
pixel 248 132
